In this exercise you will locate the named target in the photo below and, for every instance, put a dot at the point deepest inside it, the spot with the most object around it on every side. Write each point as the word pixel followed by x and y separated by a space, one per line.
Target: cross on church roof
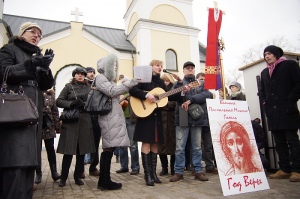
pixel 76 13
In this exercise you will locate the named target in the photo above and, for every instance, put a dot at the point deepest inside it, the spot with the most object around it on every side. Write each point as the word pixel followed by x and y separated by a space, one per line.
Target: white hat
pixel 26 26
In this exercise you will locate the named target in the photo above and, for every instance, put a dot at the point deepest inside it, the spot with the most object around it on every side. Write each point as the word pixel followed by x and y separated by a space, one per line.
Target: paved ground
pixel 134 186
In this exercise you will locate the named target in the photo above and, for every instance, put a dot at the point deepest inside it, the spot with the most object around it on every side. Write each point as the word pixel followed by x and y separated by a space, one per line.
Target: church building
pixel 149 34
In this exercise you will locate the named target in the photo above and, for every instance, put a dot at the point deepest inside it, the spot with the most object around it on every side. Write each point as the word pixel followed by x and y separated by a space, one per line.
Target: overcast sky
pixel 246 22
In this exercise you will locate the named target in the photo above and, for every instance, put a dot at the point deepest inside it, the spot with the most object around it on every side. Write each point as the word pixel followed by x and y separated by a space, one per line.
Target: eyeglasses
pixel 35 33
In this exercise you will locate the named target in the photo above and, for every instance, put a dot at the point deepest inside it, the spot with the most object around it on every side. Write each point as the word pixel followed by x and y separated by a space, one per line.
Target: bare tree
pixel 255 53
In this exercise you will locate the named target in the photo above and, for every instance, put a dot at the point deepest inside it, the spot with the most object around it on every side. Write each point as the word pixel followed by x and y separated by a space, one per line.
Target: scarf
pixel 272 67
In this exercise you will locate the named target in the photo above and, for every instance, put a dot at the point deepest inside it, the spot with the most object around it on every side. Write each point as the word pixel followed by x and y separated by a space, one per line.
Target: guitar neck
pixel 171 92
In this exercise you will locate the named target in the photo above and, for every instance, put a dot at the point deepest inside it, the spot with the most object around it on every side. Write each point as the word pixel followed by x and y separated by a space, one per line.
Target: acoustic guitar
pixel 143 108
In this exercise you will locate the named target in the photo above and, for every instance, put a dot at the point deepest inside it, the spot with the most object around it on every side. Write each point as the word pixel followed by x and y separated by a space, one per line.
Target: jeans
pixel 117 151
pixel 207 148
pixel 288 150
pixel 181 139
pixel 134 151
pixel 87 158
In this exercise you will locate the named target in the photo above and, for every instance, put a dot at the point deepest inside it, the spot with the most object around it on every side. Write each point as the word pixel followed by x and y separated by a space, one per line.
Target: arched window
pixel 171 60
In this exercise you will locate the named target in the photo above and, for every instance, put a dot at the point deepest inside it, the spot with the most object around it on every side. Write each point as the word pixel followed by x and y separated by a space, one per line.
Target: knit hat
pixel 27 25
pixel 90 70
pixel 238 85
pixel 188 63
pixel 79 70
pixel 276 51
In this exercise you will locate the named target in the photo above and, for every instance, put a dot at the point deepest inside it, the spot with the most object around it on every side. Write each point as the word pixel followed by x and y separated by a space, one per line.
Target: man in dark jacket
pixel 279 93
pixel 196 95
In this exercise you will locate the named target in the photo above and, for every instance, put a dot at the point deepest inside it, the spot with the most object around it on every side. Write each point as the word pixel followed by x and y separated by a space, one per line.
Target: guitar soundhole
pixel 156 98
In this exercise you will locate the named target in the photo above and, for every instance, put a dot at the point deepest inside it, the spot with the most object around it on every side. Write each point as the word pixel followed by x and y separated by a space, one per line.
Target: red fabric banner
pixel 212 66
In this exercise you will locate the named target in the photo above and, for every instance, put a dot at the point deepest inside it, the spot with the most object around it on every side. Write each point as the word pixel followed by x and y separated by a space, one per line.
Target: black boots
pixel 55 176
pixel 104 182
pixel 164 164
pixel 164 171
pixel 147 169
pixel 153 157
pixel 38 175
pixel 78 180
pixel 149 163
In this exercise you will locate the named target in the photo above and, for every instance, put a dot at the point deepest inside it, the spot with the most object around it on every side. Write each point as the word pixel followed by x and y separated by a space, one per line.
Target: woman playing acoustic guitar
pixel 149 129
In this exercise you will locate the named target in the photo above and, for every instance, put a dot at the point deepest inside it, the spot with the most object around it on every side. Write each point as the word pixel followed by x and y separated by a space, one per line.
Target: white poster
pixel 239 165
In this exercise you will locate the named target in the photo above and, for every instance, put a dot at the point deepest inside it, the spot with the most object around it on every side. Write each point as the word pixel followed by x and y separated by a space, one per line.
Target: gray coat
pixel 113 126
pixel 79 132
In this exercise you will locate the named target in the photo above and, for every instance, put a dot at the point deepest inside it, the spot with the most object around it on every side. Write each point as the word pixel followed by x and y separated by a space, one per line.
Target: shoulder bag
pixel 97 102
pixel 195 111
pixel 70 115
pixel 16 108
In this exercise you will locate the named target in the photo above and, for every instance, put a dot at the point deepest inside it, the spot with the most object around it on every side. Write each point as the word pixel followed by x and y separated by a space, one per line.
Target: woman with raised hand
pixel 113 126
pixel 21 146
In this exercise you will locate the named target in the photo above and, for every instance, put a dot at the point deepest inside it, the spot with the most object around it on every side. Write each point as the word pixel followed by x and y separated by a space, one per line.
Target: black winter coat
pixel 280 94
pixel 145 127
pixel 168 119
pixel 79 132
pixel 21 147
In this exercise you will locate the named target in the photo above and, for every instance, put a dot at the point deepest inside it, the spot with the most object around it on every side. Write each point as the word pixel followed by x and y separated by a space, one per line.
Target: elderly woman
pixel 113 126
pixel 77 136
pixel 236 93
pixel 20 146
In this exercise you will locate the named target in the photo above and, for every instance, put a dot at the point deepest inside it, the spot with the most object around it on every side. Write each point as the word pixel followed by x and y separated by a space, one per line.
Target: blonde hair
pixel 168 77
pixel 156 62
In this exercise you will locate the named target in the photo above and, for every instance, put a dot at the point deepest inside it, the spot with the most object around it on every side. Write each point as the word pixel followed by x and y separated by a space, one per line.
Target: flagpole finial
pixel 221 44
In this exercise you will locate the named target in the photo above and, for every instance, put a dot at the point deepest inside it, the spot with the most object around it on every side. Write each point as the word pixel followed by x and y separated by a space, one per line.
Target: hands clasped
pixel 77 103
pixel 43 61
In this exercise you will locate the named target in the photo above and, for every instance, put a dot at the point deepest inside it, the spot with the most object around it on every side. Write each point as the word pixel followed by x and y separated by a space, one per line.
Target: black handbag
pixel 195 111
pixel 16 109
pixel 97 102
pixel 70 115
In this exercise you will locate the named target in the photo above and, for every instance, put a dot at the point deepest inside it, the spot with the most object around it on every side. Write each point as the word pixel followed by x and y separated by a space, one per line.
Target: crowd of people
pixel 161 132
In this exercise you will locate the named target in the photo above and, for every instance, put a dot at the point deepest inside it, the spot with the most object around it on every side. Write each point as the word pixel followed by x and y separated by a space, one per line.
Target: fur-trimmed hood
pixel 105 66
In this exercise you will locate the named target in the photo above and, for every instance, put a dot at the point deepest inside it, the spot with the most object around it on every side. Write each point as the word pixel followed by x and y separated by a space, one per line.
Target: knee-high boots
pixel 149 163
pixel 147 169
pixel 104 182
pixel 153 157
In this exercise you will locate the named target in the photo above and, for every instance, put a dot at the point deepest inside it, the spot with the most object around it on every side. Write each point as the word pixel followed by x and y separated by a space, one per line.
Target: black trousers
pixel 66 163
pixel 288 149
pixel 97 136
pixel 49 145
pixel 16 182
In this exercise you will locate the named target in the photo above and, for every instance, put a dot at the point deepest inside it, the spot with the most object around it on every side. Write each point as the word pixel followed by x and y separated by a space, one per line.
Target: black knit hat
pixel 79 70
pixel 276 51
pixel 90 69
pixel 188 63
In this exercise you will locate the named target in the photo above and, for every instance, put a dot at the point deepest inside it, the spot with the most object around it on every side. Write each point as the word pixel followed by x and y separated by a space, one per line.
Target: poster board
pixel 239 165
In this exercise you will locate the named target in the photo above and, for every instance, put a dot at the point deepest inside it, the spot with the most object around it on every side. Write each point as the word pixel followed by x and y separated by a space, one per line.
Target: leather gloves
pixel 77 104
pixel 43 61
